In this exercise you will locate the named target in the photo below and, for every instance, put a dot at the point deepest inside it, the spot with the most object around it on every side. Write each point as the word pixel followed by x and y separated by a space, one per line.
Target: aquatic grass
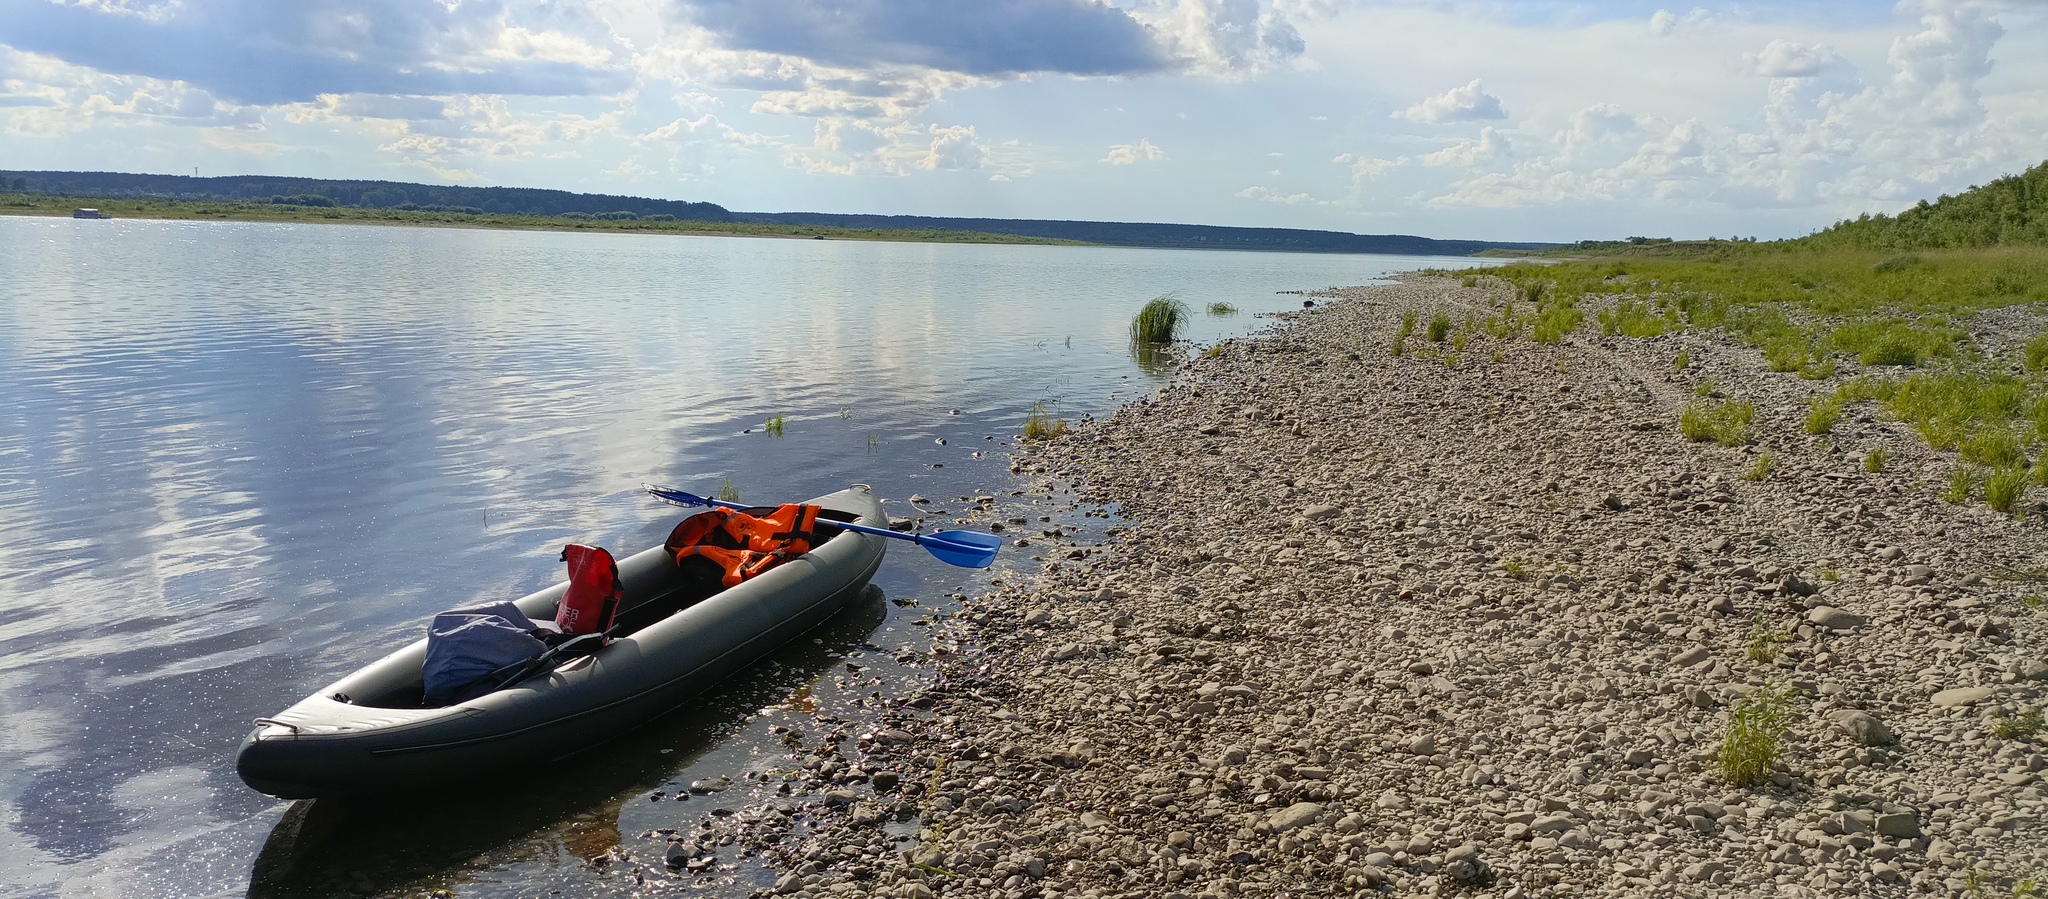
pixel 1725 423
pixel 1041 425
pixel 727 492
pixel 1159 321
pixel 1222 309
pixel 2005 488
pixel 1757 725
pixel 773 426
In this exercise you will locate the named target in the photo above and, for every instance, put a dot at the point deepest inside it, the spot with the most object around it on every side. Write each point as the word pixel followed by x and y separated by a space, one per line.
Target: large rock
pixel 1899 826
pixel 1692 657
pixel 1834 619
pixel 1863 727
pixel 1962 696
pixel 1294 816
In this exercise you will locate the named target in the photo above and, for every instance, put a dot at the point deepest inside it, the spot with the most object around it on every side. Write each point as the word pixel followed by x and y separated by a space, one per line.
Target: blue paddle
pixel 967 549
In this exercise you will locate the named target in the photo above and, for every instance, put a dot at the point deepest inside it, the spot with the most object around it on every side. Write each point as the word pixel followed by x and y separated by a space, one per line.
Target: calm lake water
pixel 240 460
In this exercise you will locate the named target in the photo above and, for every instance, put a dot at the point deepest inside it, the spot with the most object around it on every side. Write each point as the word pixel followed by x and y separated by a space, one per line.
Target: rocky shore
pixel 1414 625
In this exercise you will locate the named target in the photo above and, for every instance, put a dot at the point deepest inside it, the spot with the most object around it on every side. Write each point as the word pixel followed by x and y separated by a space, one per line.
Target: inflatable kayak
pixel 372 731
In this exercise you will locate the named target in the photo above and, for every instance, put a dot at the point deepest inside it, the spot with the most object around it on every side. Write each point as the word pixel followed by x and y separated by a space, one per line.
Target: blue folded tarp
pixel 465 645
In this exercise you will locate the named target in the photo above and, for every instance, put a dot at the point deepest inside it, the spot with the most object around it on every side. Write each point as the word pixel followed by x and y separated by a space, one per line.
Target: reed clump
pixel 1159 321
pixel 1040 424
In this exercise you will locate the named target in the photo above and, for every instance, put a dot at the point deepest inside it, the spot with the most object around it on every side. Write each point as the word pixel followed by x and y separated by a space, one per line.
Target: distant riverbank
pixel 232 211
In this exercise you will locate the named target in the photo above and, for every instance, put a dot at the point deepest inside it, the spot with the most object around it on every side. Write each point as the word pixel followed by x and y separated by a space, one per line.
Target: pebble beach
pixel 1467 623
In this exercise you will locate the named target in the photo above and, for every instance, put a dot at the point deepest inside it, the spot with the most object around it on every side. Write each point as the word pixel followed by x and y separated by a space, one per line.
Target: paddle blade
pixel 671 494
pixel 966 549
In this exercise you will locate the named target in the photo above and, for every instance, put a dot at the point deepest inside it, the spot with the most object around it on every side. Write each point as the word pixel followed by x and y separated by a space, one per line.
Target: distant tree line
pixel 362 194
pixel 2011 211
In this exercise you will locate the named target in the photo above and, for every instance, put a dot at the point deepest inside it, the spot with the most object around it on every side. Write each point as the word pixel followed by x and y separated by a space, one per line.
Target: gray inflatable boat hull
pixel 379 739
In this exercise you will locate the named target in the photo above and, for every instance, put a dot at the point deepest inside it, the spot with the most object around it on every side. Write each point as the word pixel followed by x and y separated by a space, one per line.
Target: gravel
pixel 1383 624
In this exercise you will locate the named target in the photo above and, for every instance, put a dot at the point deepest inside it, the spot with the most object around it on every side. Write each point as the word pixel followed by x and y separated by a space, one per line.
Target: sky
pixel 1486 120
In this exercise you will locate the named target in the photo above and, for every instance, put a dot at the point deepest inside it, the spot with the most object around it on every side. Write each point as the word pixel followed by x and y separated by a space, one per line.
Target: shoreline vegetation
pixel 165 209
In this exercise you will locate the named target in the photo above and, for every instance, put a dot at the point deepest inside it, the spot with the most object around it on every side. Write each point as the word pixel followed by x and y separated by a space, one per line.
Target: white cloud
pixel 1790 59
pixel 953 149
pixel 1459 104
pixel 1130 154
pixel 1225 38
pixel 1665 23
pixel 1266 195
pixel 1489 146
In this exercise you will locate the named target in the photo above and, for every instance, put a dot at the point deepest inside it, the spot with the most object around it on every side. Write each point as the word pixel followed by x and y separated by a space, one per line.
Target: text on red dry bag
pixel 594 591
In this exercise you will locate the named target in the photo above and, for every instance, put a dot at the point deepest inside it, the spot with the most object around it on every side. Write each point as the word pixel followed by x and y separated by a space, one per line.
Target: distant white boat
pixel 88 214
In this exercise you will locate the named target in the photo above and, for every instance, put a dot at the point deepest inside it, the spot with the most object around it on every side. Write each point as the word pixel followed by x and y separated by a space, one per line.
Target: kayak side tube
pixel 366 732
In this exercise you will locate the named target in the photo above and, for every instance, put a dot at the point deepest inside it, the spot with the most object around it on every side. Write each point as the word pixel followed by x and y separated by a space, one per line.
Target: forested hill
pixel 2011 211
pixel 368 194
pixel 535 202
pixel 1151 234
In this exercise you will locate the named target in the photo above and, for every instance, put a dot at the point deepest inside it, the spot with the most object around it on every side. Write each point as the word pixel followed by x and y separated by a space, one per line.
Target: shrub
pixel 1159 321
pixel 1756 726
pixel 1724 423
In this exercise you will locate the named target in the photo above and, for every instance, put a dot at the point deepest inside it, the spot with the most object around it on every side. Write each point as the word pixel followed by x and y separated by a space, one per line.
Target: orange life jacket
pixel 745 544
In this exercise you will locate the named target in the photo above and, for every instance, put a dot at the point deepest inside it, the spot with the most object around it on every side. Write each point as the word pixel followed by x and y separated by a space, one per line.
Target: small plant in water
pixel 1756 728
pixel 2018 728
pixel 1041 425
pixel 1159 321
pixel 1876 459
pixel 773 426
pixel 727 492
pixel 1760 470
pixel 1222 309
pixel 1765 643
pixel 874 443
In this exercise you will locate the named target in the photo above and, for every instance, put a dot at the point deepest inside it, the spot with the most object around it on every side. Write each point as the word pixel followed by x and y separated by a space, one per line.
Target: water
pixel 240 460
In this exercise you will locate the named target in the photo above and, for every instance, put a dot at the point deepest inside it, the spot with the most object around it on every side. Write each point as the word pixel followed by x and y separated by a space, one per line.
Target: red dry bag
pixel 594 591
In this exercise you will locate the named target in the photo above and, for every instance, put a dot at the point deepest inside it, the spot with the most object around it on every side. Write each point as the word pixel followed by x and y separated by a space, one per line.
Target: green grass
pixel 1822 414
pixel 727 492
pixel 1214 350
pixel 1159 321
pixel 1636 318
pixel 1962 481
pixel 1680 361
pixel 1439 328
pixel 1222 309
pixel 1555 320
pixel 1041 425
pixel 1876 459
pixel 1756 730
pixel 1726 423
pixel 2034 356
pixel 773 426
pixel 2023 726
pixel 1765 642
pixel 1760 470
pixel 2005 488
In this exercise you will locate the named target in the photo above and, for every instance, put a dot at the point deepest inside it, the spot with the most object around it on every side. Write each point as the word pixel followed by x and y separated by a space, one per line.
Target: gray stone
pixel 1834 619
pixel 787 884
pixel 1899 826
pixel 1962 696
pixel 1294 816
pixel 1319 512
pixel 1692 657
pixel 1551 824
pixel 1863 727
pixel 2032 669
pixel 1095 819
pixel 1423 745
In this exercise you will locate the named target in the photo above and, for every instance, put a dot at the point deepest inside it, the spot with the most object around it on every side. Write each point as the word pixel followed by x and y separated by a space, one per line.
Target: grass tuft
pixel 1760 470
pixel 1876 459
pixel 2018 728
pixel 1555 320
pixel 1962 481
pixel 1439 328
pixel 727 492
pixel 1724 423
pixel 1765 642
pixel 1159 321
pixel 1041 425
pixel 1222 309
pixel 2006 488
pixel 1756 729
pixel 1679 362
pixel 1821 416
pixel 773 426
